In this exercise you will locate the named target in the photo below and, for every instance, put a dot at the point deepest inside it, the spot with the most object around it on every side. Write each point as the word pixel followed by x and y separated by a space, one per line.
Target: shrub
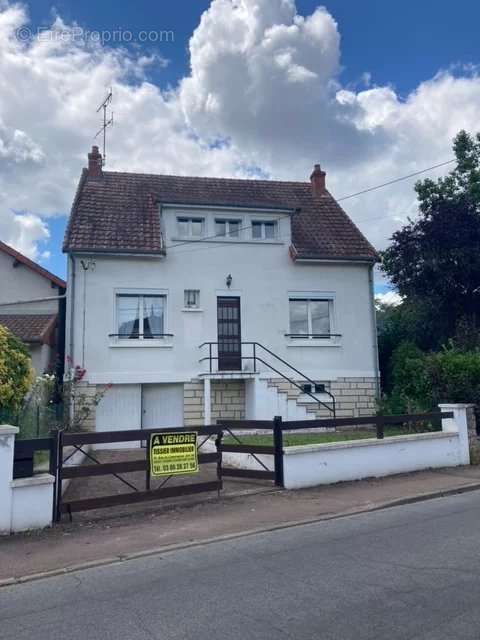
pixel 16 373
pixel 454 376
pixel 423 380
pixel 410 387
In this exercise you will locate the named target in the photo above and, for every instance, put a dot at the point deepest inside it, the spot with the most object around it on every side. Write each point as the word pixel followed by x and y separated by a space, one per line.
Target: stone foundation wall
pixel 353 396
pixel 193 410
pixel 228 399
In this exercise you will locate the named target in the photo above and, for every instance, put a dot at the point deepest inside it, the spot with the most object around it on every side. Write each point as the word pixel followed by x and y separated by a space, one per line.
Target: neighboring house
pixel 32 307
pixel 171 279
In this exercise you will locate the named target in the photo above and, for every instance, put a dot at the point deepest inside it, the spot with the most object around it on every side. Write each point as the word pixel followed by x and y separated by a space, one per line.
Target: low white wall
pixel 312 465
pixel 240 460
pixel 7 442
pixel 25 503
pixel 32 502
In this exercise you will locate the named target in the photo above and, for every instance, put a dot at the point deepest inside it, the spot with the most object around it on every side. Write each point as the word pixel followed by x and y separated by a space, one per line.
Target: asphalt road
pixel 410 572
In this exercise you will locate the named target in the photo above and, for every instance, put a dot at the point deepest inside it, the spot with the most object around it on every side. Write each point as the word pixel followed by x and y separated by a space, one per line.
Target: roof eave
pixel 320 258
pixel 112 252
pixel 33 266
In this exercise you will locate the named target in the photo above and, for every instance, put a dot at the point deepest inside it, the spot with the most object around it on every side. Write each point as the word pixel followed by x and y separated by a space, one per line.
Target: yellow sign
pixel 173 453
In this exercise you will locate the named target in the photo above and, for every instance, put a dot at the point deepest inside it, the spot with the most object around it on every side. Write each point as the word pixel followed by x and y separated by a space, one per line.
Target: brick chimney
pixel 95 163
pixel 318 181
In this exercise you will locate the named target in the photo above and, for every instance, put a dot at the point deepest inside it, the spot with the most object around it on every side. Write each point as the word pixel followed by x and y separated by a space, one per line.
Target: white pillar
pixel 7 443
pixel 458 424
pixel 207 402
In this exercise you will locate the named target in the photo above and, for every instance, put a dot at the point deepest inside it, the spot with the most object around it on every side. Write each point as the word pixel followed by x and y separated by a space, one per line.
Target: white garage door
pixel 119 409
pixel 162 405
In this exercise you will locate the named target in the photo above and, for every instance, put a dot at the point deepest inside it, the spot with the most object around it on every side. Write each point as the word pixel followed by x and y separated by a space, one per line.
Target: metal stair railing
pixel 255 357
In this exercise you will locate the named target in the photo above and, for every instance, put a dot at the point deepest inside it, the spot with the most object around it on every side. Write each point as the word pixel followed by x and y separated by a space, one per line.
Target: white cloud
pixel 264 93
pixel 24 232
pixel 389 298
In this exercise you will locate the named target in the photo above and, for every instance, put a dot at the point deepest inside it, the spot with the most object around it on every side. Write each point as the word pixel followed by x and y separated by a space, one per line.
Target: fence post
pixel 380 428
pixel 218 446
pixel 278 446
pixel 58 505
pixel 147 462
pixel 53 468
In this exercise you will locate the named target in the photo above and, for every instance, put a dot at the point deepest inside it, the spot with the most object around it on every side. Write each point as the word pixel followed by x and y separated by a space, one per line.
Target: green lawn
pixel 295 439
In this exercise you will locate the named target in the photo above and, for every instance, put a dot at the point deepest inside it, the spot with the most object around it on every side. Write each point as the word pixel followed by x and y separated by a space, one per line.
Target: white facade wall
pixel 21 283
pixel 263 276
pixel 42 356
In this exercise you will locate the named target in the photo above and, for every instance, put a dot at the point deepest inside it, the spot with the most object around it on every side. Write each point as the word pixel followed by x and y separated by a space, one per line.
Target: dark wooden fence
pixel 61 442
pixel 278 427
pixel 79 440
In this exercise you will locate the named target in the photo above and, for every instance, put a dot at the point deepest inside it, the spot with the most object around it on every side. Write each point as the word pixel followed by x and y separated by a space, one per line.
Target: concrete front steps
pixel 298 406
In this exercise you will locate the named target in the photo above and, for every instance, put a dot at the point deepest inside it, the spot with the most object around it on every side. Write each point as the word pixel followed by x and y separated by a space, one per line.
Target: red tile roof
pixel 19 257
pixel 36 327
pixel 119 213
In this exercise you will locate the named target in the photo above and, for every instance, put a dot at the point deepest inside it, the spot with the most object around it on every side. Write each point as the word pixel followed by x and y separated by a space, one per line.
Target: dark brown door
pixel 229 334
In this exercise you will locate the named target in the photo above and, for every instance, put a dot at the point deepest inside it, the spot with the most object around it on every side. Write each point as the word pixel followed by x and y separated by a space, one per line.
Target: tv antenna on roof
pixel 105 125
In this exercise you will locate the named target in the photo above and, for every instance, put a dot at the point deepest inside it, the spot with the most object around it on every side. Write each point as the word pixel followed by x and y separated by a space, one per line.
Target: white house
pixel 32 306
pixel 206 298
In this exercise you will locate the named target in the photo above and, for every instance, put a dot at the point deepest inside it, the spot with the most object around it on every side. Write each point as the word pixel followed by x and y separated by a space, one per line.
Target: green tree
pixel 16 374
pixel 406 322
pixel 434 261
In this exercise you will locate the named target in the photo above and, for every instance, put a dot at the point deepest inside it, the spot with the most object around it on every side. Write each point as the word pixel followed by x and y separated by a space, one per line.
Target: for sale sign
pixel 173 453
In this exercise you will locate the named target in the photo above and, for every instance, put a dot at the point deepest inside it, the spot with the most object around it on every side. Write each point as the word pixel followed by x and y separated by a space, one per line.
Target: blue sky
pixel 399 43
pixel 394 48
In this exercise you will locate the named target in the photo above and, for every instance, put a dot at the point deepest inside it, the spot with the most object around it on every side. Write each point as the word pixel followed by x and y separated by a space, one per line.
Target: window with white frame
pixel 225 228
pixel 192 298
pixel 140 316
pixel 264 230
pixel 190 227
pixel 310 317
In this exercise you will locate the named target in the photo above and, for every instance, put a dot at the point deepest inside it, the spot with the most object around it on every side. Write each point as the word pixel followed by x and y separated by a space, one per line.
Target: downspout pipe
pixel 33 300
pixel 71 290
pixel 374 331
pixel 62 318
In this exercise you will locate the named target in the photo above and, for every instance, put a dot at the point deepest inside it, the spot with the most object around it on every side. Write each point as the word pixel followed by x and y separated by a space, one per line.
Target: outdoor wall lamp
pixel 228 281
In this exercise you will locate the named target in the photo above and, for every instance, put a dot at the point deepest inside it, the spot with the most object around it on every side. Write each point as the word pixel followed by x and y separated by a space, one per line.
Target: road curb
pixel 441 493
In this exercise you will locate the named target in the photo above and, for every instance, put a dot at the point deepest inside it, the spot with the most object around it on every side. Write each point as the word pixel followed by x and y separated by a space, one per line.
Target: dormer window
pixel 225 228
pixel 190 227
pixel 264 230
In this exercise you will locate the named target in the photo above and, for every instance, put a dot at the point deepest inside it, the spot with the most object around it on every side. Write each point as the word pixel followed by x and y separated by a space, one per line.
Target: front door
pixel 229 334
